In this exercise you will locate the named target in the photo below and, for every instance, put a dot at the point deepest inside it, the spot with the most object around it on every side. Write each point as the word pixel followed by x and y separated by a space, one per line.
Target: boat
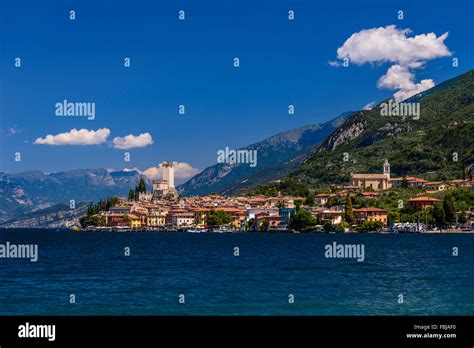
pixel 193 230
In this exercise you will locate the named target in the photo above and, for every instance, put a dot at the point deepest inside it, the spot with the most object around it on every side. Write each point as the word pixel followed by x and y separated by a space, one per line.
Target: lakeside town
pixel 370 202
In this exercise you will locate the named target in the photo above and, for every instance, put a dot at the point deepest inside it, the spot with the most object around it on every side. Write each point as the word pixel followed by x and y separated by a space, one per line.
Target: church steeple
pixel 386 168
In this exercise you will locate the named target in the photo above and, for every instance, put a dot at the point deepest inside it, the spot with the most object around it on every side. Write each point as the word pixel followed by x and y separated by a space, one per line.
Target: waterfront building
pixel 116 220
pixel 134 221
pixel 200 216
pixel 182 219
pixel 332 216
pixel 285 214
pixel 370 214
pixel 155 219
pixel 421 203
pixel 266 222
pixel 252 212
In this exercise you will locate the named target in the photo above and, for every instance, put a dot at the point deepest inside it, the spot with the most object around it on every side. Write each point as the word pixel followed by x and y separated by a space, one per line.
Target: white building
pixel 165 186
pixel 168 174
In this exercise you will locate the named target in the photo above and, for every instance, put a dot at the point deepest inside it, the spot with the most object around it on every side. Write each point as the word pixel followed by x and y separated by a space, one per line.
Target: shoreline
pixel 110 230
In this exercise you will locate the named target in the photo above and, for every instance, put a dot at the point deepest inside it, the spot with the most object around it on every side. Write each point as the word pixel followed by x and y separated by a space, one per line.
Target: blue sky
pixel 173 62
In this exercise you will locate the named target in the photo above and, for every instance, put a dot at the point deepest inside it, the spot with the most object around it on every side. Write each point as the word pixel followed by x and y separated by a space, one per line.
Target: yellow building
pixel 436 186
pixel 200 216
pixel 371 214
pixel 155 220
pixel 134 221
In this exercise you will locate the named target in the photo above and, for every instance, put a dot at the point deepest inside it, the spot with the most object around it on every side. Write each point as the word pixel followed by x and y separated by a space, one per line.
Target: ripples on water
pixel 215 282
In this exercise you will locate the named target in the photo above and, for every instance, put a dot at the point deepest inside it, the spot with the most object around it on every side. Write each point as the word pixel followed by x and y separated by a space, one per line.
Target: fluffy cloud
pixel 131 141
pixel 399 77
pixel 76 137
pixel 389 44
pixel 181 171
pixel 392 45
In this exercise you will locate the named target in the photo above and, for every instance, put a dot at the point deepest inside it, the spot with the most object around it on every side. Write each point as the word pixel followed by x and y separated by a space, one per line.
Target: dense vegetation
pixel 103 205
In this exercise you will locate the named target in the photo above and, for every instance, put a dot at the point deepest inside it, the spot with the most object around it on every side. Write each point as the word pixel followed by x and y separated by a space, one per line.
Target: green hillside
pixel 437 146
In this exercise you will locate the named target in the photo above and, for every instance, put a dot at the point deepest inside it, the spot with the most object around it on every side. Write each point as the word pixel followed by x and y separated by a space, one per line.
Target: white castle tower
pixel 168 174
pixel 165 186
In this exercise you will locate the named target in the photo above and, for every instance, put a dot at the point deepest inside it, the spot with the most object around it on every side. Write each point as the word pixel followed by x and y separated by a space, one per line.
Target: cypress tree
pixel 438 215
pixel 141 186
pixel 449 209
pixel 349 214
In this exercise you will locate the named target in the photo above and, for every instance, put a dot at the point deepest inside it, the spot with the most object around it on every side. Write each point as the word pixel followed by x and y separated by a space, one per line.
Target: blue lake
pixel 203 268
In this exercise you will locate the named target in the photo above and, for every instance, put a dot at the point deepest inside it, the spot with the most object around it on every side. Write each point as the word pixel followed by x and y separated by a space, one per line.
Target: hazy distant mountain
pixel 21 193
pixel 56 216
pixel 276 155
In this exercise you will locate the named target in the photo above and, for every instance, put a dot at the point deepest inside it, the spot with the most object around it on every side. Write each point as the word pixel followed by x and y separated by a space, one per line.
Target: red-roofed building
pixel 370 214
pixel 420 203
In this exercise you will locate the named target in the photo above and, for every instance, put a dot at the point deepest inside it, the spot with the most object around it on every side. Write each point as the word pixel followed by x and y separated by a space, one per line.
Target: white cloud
pixel 181 171
pixel 76 137
pixel 399 77
pixel 389 44
pixel 392 45
pixel 369 106
pixel 131 141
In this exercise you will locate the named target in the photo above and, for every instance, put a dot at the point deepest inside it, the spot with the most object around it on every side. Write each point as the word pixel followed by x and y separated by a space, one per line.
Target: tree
pixel 328 226
pixel 349 214
pixel 218 218
pixel 131 195
pixel 249 224
pixel 302 220
pixel 310 199
pixel 449 210
pixel 393 217
pixel 298 205
pixel 439 215
pixel 86 221
pixel 404 183
pixel 141 186
pixel 462 219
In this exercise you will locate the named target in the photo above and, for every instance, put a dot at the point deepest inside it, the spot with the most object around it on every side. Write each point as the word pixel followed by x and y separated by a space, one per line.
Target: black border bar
pixel 194 330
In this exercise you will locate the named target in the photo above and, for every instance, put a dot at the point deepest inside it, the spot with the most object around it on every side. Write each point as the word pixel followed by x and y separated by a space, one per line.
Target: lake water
pixel 203 268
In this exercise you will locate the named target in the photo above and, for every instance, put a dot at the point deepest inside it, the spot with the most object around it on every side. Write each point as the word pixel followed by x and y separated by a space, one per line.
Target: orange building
pixel 370 214
pixel 420 203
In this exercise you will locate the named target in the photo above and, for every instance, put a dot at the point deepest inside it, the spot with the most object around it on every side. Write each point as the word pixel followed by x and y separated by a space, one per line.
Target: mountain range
pixel 26 192
pixel 437 145
pixel 277 156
